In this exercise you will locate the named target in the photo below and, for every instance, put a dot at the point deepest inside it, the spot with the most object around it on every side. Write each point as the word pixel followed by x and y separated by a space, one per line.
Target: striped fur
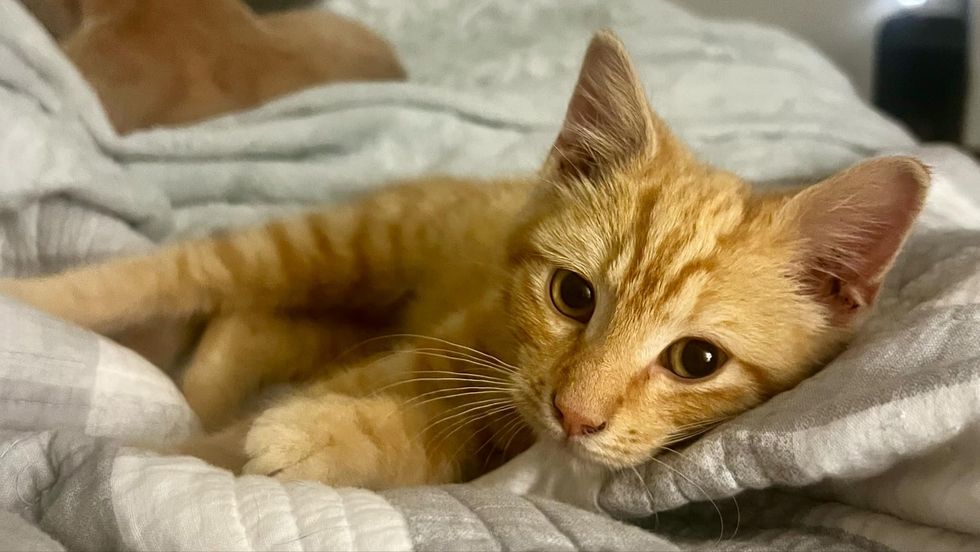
pixel 457 274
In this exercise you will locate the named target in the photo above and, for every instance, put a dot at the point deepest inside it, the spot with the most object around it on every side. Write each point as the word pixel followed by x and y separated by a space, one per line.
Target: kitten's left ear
pixel 852 226
pixel 609 120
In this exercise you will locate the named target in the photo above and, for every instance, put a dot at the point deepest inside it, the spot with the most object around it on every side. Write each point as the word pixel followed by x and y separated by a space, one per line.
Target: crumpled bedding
pixel 875 452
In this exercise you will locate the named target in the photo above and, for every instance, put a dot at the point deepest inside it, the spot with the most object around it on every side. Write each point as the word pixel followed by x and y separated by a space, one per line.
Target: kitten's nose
pixel 575 422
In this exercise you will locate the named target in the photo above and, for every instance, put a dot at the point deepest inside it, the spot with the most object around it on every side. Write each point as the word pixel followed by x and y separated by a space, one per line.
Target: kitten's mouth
pixel 582 448
pixel 538 415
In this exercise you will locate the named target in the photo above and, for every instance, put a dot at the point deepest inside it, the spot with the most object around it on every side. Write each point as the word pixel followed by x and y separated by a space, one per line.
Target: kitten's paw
pixel 334 440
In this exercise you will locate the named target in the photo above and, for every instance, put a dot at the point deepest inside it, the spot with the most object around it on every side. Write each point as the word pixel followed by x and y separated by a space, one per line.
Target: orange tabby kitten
pixel 625 298
pixel 170 62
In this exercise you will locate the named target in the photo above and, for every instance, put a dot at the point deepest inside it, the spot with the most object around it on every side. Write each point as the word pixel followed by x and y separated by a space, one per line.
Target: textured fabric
pixel 20 536
pixel 779 520
pixel 60 481
pixel 184 504
pixel 55 375
pixel 462 517
pixel 876 451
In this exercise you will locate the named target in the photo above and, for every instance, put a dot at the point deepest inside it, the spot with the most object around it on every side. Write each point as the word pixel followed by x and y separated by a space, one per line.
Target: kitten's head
pixel 653 295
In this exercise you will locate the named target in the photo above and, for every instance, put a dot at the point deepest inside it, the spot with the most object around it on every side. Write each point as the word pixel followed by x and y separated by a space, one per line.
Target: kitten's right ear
pixel 852 226
pixel 608 121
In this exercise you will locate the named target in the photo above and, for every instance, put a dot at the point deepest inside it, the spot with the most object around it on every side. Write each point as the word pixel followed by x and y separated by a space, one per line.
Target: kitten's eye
pixel 572 295
pixel 693 358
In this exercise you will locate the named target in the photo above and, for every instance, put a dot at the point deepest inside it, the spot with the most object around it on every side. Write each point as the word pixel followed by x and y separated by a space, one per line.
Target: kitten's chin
pixel 599 458
pixel 583 451
pixel 586 453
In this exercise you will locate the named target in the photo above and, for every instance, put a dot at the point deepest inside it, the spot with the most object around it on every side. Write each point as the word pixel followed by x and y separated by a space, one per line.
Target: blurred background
pixel 910 58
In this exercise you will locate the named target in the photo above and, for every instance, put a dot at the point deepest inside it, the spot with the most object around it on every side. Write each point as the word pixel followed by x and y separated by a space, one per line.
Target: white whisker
pixel 738 510
pixel 721 518
pixel 461 426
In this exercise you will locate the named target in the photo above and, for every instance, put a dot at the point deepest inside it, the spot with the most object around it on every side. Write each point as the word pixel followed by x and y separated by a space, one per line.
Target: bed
pixel 876 452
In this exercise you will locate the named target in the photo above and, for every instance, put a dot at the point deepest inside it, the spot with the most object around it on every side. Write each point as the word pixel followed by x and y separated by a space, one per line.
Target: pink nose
pixel 575 422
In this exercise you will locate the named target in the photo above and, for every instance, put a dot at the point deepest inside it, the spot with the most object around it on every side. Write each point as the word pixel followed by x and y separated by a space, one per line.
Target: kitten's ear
pixel 608 119
pixel 853 225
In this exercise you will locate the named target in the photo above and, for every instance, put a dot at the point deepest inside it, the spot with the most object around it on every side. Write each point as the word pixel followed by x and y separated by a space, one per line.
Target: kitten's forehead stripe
pixel 680 251
pixel 663 291
pixel 642 228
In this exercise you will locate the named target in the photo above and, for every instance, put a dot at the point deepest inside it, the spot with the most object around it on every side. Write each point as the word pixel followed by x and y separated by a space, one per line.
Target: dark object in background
pixel 921 72
pixel 266 6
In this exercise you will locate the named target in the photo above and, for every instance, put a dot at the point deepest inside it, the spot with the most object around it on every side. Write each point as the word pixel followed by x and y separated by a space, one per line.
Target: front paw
pixel 336 440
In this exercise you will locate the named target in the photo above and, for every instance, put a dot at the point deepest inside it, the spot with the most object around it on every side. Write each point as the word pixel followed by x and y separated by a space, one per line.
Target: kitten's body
pixel 169 62
pixel 673 251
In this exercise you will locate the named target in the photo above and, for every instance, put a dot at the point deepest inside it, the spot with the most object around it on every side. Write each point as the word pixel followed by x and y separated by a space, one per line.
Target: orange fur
pixel 470 354
pixel 172 62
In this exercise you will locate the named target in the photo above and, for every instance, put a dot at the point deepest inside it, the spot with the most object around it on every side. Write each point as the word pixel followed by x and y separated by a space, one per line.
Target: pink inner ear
pixel 854 224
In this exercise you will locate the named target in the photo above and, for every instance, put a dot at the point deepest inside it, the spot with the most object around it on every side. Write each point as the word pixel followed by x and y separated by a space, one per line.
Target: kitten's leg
pixel 241 352
pixel 368 254
pixel 337 439
pixel 329 437
pixel 372 442
pixel 224 449
pixel 355 428
pixel 165 342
